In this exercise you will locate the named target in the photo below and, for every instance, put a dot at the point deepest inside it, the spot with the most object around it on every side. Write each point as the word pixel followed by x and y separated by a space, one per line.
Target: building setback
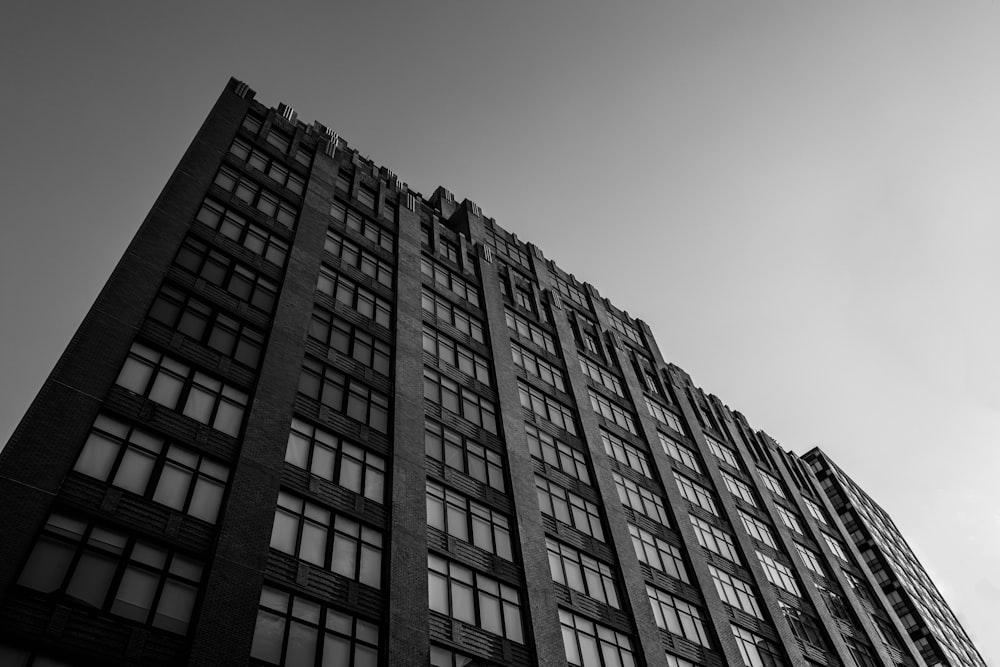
pixel 315 418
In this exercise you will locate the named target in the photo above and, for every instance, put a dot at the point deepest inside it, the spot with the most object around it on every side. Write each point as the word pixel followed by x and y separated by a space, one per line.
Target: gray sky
pixel 800 198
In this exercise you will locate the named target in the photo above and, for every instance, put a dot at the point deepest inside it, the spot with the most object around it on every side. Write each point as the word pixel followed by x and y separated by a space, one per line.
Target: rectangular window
pixel 572 292
pixel 218 269
pixel 354 256
pixel 590 644
pixel 473 598
pixel 239 229
pixel 547 408
pixel 658 554
pixel 601 376
pixel 509 248
pixel 565 506
pixel 207 325
pixel 460 453
pixel 456 355
pixel 179 387
pixel 582 573
pixel 678 617
pixel 146 464
pixel 523 298
pixel 336 460
pixel 641 500
pixel 557 454
pixel 721 452
pixel 345 177
pixel 350 341
pixel 252 124
pixel 664 416
pixel 612 412
pixel 363 228
pixel 772 483
pixel 679 452
pixel 102 568
pixel 447 248
pixel 802 626
pixel 538 367
pixel 758 529
pixel 835 603
pixel 354 296
pixel 625 329
pixel 273 169
pixel 626 453
pixel 789 519
pixel 696 494
pixel 459 400
pixel 738 488
pixel 811 559
pixel 279 139
pixel 836 547
pixel 251 194
pixel 456 317
pixel 816 511
pixel 447 279
pixel 467 520
pixel 715 539
pixel 757 651
pixel 345 395
pixel 328 540
pixel 367 197
pixel 529 331
pixel 735 592
pixel 293 630
pixel 779 574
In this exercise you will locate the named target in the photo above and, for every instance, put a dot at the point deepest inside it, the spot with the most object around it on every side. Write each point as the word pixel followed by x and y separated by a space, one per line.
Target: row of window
pixel 362 227
pixel 677 616
pixel 456 355
pixel 445 311
pixel 739 488
pixel 678 452
pixel 601 376
pixel 529 331
pixel 547 408
pixel 474 598
pixel 625 329
pixel 658 553
pixel 511 249
pixel 449 280
pixel 274 169
pixel 697 494
pixel 715 539
pixel 222 271
pixel 572 292
pixel 722 452
pixel 563 505
pixel 344 394
pixel 537 366
pixel 354 296
pixel 641 500
pixel 758 529
pixel 626 453
pixel 556 453
pixel 465 519
pixel 352 255
pixel 463 454
pixel 336 460
pixel 582 573
pixel 779 574
pixel 459 400
pixel 612 412
pixel 735 592
pixel 251 194
pixel 248 234
pixel 590 644
pixel 350 340
pixel 663 415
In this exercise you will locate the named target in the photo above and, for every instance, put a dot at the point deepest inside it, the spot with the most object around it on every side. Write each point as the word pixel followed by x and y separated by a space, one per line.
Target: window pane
pixel 172 488
pixel 133 473
pixel 206 500
pixel 91 579
pixel 267 637
pixel 46 567
pixel 135 595
pixel 97 457
pixel 336 651
pixel 301 650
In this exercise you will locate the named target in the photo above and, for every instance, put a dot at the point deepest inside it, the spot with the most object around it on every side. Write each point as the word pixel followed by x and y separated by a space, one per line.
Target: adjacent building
pixel 316 418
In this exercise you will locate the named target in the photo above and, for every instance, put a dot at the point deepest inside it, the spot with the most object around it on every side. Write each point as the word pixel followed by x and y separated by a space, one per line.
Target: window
pixel 779 574
pixel 715 539
pixel 862 589
pixel 835 603
pixel 538 367
pixel 557 454
pixel 582 573
pixel 105 569
pixel 460 453
pixel 179 387
pixel 279 139
pixel 626 453
pixel 696 494
pixel 738 488
pixel 352 295
pixel 274 169
pixel 529 331
pixel 457 399
pixel 456 355
pixel 293 630
pixel 571 292
pixel 445 657
pixel 344 179
pixel 758 529
pixel 344 395
pixel 735 592
pixel 336 460
pixel 721 452
pixel 664 416
pixel 207 325
pixel 332 541
pixel 674 661
pixel 352 255
pixel 467 520
pixel 363 228
pixel 863 657
pixel 547 408
pixel 350 341
pixel 789 519
pixel 757 651
pixel 676 616
pixel 625 329
pixel 218 269
pixel 590 644
pixel 658 554
pixel 564 505
pixel 448 249
pixel 803 626
pixel 251 124
pixel 238 229
pixel 641 500
pixel 612 412
pixel 473 598
pixel 523 298
pixel 456 317
pixel 816 511
pixel 510 248
pixel 367 196
pixel 145 464
pixel 773 483
pixel 251 194
pixel 810 558
pixel 601 376
pixel 679 452
pixel 837 548
pixel 449 280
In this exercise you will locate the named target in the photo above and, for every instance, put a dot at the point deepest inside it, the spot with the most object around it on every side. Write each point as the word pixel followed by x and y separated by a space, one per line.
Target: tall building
pixel 315 418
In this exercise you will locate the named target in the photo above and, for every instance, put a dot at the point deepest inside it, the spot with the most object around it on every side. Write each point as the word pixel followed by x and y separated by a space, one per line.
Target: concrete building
pixel 316 418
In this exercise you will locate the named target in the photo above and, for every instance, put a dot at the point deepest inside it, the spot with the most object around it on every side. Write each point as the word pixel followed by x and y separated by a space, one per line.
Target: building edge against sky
pixel 316 418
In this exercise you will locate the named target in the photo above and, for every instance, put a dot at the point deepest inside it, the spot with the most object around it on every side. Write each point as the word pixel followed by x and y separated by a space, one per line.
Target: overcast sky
pixel 800 198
